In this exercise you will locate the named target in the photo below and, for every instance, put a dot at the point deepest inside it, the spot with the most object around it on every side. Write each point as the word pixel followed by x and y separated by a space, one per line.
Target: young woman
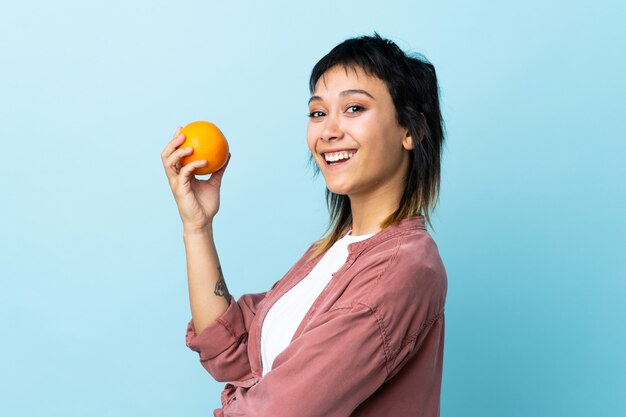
pixel 356 326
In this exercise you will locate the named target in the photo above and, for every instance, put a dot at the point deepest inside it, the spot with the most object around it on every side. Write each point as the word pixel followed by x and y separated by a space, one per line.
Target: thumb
pixel 220 172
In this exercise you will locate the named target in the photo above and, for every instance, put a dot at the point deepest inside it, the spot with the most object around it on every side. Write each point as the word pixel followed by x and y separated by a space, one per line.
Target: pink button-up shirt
pixel 370 345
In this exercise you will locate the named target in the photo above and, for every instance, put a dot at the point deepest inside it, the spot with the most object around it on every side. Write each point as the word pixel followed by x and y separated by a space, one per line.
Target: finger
pixel 172 145
pixel 187 170
pixel 217 176
pixel 172 163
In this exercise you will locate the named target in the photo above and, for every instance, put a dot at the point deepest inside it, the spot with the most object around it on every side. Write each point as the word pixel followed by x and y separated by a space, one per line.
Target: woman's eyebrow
pixel 345 93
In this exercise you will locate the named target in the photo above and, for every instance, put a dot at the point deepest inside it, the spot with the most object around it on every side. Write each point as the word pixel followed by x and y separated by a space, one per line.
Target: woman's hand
pixel 198 200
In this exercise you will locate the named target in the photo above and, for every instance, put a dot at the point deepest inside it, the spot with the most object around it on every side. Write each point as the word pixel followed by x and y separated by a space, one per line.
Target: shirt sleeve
pixel 329 370
pixel 222 346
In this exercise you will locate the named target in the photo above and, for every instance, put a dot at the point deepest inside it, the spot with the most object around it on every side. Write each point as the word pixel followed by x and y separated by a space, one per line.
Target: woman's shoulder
pixel 404 269
pixel 411 249
pixel 418 251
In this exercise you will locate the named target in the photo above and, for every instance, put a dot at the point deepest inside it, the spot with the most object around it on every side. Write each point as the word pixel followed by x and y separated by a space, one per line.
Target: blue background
pixel 530 222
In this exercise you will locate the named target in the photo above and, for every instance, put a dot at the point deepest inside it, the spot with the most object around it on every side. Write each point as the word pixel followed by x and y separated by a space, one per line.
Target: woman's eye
pixel 354 109
pixel 315 114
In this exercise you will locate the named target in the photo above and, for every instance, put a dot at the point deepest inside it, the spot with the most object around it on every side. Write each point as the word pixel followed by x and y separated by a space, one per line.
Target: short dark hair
pixel 412 84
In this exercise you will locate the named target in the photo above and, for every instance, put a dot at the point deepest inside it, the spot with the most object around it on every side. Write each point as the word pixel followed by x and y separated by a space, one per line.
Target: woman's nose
pixel 332 129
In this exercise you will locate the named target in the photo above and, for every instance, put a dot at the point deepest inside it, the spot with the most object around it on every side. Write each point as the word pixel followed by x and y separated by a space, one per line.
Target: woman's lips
pixel 339 164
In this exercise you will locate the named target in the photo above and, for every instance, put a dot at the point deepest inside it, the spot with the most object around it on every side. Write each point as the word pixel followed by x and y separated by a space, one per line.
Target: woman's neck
pixel 368 213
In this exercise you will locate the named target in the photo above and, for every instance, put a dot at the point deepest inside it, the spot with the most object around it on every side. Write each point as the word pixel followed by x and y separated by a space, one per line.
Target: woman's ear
pixel 407 141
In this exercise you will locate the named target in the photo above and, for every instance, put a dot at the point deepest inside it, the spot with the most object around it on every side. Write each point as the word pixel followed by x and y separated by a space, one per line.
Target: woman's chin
pixel 340 189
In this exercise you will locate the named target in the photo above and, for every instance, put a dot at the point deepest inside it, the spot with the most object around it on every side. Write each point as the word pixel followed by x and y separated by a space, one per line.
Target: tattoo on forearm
pixel 220 287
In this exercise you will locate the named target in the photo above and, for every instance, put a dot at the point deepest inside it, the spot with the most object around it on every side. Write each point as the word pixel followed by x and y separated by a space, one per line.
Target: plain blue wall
pixel 530 221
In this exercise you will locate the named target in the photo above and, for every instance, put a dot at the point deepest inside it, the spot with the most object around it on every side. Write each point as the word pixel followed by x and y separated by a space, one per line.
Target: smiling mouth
pixel 338 158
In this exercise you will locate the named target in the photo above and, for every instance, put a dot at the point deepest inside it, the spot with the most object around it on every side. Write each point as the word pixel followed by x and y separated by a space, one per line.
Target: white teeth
pixel 338 155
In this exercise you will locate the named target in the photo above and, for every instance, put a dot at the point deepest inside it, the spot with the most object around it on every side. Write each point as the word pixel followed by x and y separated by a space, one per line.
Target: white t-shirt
pixel 285 315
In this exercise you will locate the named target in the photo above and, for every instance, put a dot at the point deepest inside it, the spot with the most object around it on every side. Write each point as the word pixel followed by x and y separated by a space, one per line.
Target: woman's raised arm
pixel 198 203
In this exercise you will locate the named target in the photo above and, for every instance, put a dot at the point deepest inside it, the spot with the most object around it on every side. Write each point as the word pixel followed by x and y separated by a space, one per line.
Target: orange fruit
pixel 208 142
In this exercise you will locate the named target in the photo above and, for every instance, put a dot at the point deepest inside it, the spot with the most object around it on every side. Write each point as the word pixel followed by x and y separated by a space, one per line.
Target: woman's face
pixel 353 113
